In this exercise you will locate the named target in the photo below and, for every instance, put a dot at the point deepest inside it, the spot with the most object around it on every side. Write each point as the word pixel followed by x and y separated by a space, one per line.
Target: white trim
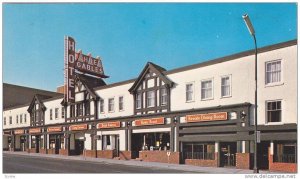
pixel 151 130
pixel 230 86
pixel 212 89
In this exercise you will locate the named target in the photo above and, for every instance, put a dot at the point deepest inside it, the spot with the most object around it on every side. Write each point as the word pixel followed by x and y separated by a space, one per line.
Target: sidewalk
pixel 187 168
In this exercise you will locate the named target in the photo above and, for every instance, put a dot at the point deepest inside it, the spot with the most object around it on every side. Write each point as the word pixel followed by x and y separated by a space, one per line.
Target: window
pixel 79 109
pixel 203 151
pixel 10 120
pixel 189 92
pixel 163 96
pixel 225 86
pixel 206 89
pixel 4 121
pixel 87 108
pixel 56 113
pixel 274 111
pixel 285 152
pixel 17 119
pixel 72 111
pixel 138 101
pixel 111 105
pixel 21 118
pixel 273 72
pixel 51 114
pixel 150 98
pixel 25 118
pixel 62 112
pixel 101 105
pixel 121 103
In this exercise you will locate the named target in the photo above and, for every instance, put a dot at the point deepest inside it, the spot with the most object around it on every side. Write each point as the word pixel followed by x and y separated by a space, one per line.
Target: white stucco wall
pixel 13 113
pixel 52 105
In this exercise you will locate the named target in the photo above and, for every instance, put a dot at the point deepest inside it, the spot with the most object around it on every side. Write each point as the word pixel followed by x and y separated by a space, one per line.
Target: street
pixel 33 164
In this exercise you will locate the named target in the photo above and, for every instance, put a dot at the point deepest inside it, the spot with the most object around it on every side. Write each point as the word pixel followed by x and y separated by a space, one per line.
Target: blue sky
pixel 126 36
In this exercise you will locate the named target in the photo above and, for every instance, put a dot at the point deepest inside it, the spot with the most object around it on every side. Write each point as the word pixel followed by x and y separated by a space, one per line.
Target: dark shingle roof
pixel 14 95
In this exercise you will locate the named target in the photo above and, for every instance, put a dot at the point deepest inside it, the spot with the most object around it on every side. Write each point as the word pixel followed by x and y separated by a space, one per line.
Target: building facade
pixel 201 114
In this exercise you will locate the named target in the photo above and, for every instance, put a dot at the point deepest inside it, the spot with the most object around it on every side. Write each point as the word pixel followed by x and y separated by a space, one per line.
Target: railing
pixel 199 155
pixel 285 158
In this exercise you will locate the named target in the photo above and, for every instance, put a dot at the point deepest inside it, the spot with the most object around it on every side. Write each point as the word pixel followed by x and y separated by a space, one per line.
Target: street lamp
pixel 252 33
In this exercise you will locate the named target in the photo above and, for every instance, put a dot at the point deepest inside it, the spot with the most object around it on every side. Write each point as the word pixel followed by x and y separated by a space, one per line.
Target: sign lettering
pixel 79 127
pixel 106 125
pixel 69 69
pixel 34 130
pixel 146 122
pixel 54 129
pixel 207 117
pixel 19 131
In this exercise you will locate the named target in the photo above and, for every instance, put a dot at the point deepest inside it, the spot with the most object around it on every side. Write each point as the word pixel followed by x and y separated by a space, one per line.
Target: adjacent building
pixel 201 114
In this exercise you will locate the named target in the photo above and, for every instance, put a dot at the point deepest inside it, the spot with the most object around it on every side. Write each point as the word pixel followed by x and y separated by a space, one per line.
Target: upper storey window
pixel 163 96
pixel 274 111
pixel 206 89
pixel 225 86
pixel 150 98
pixel 4 120
pixel 138 101
pixel 189 92
pixel 273 72
pixel 111 104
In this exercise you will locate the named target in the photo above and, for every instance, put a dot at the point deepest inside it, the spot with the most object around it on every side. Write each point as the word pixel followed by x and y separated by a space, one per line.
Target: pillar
pixel 217 153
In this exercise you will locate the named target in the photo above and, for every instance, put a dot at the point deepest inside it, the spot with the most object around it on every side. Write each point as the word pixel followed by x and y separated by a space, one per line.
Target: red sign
pixel 78 127
pixel 206 117
pixel 34 130
pixel 106 125
pixel 90 65
pixel 69 69
pixel 20 131
pixel 54 129
pixel 146 122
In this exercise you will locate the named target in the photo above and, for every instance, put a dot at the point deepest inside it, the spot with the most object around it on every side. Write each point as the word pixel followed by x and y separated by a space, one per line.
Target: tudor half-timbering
pixel 201 114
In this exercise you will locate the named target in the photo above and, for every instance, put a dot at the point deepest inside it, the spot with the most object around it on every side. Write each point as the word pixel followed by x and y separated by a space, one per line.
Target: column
pixel 217 153
pixel 129 139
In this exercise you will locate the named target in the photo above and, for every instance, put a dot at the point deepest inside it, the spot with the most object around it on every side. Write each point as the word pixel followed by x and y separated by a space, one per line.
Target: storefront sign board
pixel 20 131
pixel 105 125
pixel 206 117
pixel 34 130
pixel 79 127
pixel 54 129
pixel 146 122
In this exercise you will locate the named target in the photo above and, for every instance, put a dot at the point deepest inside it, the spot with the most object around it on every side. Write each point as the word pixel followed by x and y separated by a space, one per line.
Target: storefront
pixel 36 140
pixel 56 139
pixel 79 139
pixel 7 140
pixel 20 140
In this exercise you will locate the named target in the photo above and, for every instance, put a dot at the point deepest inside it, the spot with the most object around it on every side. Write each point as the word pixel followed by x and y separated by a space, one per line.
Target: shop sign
pixel 20 131
pixel 89 64
pixel 79 127
pixel 69 69
pixel 207 117
pixel 153 121
pixel 7 132
pixel 34 130
pixel 106 125
pixel 54 129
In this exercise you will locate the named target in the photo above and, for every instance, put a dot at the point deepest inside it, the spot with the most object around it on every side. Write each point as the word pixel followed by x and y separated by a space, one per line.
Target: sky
pixel 128 35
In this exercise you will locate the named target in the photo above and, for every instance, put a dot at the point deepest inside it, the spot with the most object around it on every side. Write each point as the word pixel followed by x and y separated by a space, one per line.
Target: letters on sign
pixel 54 129
pixel 146 122
pixel 34 130
pixel 69 69
pixel 207 117
pixel 78 127
pixel 19 131
pixel 106 125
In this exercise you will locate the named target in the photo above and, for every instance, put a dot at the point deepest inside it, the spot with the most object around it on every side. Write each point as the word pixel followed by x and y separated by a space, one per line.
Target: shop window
pixel 33 142
pixel 151 141
pixel 189 92
pixel 51 117
pixel 109 142
pixel 273 72
pixel 202 151
pixel 150 98
pixel 138 101
pixel 285 152
pixel 225 86
pixel 163 96
pixel 274 111
pixel 121 103
pixel 101 105
pixel 62 112
pixel 56 113
pixel 111 104
pixel 206 89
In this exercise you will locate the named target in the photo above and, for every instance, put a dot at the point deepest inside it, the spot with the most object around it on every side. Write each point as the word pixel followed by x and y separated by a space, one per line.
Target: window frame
pixel 121 97
pixel 21 118
pixel 101 105
pixel 62 112
pixel 193 92
pixel 113 107
pixel 212 89
pixel 163 95
pixel 4 121
pixel 56 112
pixel 138 99
pixel 230 86
pixel 51 114
pixel 10 120
pixel 281 73
pixel 150 98
pixel 266 111
pixel 17 119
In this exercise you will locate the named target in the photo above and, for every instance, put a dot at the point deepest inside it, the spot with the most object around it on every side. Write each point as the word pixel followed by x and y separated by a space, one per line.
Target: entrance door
pixel 262 155
pixel 117 144
pixel 227 154
pixel 37 144
pixel 79 146
pixel 57 144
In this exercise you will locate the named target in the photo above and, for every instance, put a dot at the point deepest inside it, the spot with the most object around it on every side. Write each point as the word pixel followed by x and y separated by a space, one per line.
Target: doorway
pixel 37 144
pixel 227 154
pixel 79 146
pixel 262 155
